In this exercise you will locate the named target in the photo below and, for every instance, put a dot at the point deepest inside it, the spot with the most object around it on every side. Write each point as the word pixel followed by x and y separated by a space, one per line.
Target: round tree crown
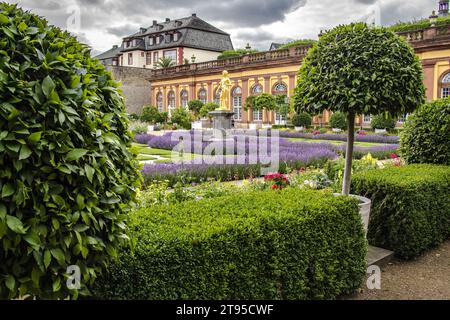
pixel 360 69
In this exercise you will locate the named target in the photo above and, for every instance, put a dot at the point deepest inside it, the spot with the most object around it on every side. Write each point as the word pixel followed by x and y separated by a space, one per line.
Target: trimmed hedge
pixel 288 244
pixel 411 207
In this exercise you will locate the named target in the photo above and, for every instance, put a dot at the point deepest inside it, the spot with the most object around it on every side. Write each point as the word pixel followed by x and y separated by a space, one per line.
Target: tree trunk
pixel 349 154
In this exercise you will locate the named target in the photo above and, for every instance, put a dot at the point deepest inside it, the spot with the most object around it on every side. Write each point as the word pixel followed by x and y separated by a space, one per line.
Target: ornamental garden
pixel 183 213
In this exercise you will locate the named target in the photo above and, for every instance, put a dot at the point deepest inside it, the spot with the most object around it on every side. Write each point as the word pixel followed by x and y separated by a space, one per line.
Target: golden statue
pixel 225 87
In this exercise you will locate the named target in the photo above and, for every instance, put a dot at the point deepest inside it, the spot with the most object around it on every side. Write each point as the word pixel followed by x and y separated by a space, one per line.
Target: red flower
pixel 302 169
pixel 394 156
pixel 274 187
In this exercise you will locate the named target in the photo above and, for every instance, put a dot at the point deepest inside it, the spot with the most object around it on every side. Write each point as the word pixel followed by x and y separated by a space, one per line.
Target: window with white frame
pixel 217 96
pixel 159 102
pixel 445 86
pixel 171 54
pixel 237 103
pixel 202 96
pixel 171 100
pixel 257 115
pixel 367 118
pixel 184 98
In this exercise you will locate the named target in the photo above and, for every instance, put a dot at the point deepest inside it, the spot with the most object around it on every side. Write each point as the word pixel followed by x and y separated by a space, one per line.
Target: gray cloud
pixel 105 22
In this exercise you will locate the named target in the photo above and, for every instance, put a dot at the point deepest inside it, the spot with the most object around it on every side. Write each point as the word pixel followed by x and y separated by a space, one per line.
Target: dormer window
pixel 158 40
pixel 176 36
pixel 151 41
pixel 168 38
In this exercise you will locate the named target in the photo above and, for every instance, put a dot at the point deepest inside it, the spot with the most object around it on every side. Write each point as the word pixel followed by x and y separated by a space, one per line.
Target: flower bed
pixel 341 137
pixel 381 152
pixel 287 244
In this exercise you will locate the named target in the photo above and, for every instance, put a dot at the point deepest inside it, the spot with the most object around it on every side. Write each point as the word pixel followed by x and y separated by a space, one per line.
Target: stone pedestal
pixel 222 119
pixel 222 124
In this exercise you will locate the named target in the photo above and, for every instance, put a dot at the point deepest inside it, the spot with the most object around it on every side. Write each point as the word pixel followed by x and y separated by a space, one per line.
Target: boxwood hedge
pixel 411 207
pixel 286 244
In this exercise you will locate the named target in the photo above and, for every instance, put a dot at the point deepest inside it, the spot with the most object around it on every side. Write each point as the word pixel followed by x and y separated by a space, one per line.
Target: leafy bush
pixel 338 120
pixel 182 118
pixel 411 207
pixel 195 106
pixel 242 248
pixel 207 108
pixel 382 121
pixel 235 53
pixel 426 136
pixel 302 119
pixel 297 43
pixel 151 114
pixel 67 177
pixel 138 127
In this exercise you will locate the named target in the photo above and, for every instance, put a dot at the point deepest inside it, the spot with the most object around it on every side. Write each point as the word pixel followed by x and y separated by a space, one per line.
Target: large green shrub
pixel 150 114
pixel 382 121
pixel 182 118
pixel 338 120
pixel 359 69
pixel 66 175
pixel 411 207
pixel 195 106
pixel 207 108
pixel 302 119
pixel 426 136
pixel 286 244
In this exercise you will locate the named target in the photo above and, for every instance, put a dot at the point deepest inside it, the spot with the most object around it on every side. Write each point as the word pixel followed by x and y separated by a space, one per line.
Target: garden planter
pixel 267 126
pixel 380 131
pixel 336 130
pixel 150 128
pixel 364 209
pixel 299 128
pixel 198 125
pixel 253 126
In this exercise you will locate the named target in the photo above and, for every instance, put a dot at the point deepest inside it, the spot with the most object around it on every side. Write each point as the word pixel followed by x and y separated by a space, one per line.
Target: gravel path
pixel 426 278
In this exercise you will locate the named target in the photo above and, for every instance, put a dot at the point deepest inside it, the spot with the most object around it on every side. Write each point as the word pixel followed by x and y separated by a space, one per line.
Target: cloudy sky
pixel 102 23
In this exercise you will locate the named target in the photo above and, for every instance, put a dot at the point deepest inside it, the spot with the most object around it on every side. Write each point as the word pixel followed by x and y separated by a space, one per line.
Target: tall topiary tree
pixel 67 178
pixel 359 69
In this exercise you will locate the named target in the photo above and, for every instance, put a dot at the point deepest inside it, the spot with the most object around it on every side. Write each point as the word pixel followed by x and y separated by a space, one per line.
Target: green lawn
pixel 360 144
pixel 146 153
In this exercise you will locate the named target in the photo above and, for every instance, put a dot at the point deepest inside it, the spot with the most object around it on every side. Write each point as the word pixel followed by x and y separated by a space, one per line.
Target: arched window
pixel 184 98
pixel 217 96
pixel 257 89
pixel 171 100
pixel 445 86
pixel 159 102
pixel 257 115
pixel 278 89
pixel 237 103
pixel 202 95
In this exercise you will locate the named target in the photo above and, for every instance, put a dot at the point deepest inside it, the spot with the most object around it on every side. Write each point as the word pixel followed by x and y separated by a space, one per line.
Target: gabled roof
pixel 111 53
pixel 192 22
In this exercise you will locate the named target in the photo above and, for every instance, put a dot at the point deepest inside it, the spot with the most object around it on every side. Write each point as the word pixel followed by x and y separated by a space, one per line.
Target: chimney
pixel 194 15
pixel 167 20
pixel 155 23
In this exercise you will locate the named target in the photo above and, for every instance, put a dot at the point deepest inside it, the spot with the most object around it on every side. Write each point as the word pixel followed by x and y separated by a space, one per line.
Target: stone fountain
pixel 223 116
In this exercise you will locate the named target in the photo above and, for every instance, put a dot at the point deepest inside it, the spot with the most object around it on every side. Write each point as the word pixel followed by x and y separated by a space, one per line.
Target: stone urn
pixel 150 128
pixel 364 209
pixel 299 128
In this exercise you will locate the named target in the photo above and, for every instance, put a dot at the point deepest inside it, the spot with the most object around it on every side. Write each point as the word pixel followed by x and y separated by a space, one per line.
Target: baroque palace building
pixel 275 71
